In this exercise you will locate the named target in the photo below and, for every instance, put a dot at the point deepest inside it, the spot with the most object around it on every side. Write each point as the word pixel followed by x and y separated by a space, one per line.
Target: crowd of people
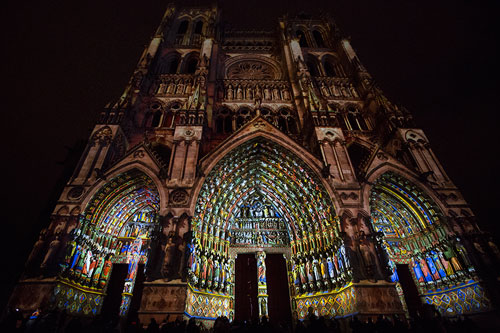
pixel 59 322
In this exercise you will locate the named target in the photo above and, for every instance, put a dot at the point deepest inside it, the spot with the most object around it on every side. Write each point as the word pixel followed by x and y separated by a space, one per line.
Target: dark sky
pixel 64 60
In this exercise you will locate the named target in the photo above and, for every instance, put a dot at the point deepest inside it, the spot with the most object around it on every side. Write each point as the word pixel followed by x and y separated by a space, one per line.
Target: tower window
pixel 198 27
pixel 312 68
pixel 302 38
pixel 329 69
pixel 224 122
pixel 156 122
pixel 355 120
pixel 182 27
pixel 172 66
pixel 191 65
pixel 318 38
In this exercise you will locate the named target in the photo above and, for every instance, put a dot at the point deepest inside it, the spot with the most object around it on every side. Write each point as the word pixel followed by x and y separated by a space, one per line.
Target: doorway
pixel 111 305
pixel 277 289
pixel 137 293
pixel 410 290
pixel 246 305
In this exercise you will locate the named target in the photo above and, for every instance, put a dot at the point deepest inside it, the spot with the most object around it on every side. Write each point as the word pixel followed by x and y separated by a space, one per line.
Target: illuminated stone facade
pixel 228 142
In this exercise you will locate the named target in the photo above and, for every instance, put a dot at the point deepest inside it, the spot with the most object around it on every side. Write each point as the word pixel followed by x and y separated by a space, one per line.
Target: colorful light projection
pixel 263 186
pixel 116 227
pixel 415 235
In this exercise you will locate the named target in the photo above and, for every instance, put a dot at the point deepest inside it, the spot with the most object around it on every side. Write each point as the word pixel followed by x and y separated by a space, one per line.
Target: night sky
pixel 63 61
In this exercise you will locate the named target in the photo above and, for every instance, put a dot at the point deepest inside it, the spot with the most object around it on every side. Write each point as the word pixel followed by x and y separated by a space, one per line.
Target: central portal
pixel 250 282
pixel 259 204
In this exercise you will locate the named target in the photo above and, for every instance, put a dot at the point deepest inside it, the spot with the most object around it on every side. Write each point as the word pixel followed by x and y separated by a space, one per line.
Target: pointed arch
pixel 277 162
pixel 302 37
pixel 123 167
pixel 394 166
pixel 413 211
pixel 117 226
pixel 261 182
pixel 190 63
pixel 121 199
pixel 208 162
pixel 169 63
pixel 313 65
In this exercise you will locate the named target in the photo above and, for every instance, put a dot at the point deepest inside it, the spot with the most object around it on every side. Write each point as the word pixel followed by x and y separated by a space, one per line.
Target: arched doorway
pixel 428 262
pixel 110 246
pixel 258 201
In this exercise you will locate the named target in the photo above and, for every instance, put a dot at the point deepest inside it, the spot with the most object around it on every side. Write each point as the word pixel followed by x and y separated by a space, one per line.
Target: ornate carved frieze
pixel 262 90
pixel 336 88
pixel 174 85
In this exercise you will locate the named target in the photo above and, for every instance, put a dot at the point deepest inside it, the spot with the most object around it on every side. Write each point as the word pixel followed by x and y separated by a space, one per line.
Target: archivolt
pixel 119 200
pixel 263 167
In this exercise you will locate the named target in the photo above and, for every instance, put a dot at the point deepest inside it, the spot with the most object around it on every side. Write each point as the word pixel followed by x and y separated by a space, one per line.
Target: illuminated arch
pixel 399 208
pixel 414 234
pixel 256 190
pixel 120 201
pixel 116 226
pixel 265 167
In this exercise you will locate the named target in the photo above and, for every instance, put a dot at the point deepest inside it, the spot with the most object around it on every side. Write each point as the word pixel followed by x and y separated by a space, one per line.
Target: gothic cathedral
pixel 257 173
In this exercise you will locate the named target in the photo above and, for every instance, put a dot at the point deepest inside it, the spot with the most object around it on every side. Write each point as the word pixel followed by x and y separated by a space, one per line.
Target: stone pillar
pixel 184 155
pixel 335 155
pixel 423 156
pixel 91 163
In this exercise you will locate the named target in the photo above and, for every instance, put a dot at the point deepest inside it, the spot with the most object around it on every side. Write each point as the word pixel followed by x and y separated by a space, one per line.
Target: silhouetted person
pixel 153 326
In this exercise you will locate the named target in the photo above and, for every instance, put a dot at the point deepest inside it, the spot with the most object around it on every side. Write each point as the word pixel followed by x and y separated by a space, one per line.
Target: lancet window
pixel 154 116
pixel 302 38
pixel 354 120
pixel 318 38
pixel 224 122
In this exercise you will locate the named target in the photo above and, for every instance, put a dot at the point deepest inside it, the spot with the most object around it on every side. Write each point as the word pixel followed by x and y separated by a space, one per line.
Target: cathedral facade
pixel 257 173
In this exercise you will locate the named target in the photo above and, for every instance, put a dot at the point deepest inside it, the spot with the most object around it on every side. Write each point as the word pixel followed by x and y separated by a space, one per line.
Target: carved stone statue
pixel 367 258
pixel 180 88
pixel 353 91
pixel 324 90
pixel 170 258
pixel 276 94
pixel 261 268
pixel 229 95
pixel 267 93
pixel 171 87
pixel 344 91
pixel 285 93
pixel 334 90
pixel 239 93
pixel 161 88
pixel 258 91
pixel 51 254
pixel 189 87
pixel 249 92
pixel 34 256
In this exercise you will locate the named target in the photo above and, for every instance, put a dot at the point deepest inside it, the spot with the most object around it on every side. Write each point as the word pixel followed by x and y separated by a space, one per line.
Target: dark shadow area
pixel 246 306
